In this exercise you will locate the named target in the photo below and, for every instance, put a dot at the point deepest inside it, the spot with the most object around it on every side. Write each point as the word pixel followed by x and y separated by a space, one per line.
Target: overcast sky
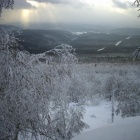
pixel 100 12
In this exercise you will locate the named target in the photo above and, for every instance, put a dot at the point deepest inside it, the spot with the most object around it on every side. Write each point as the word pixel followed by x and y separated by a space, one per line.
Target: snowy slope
pixel 128 129
pixel 99 115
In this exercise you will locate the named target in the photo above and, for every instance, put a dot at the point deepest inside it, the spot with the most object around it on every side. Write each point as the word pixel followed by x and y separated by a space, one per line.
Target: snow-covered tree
pixel 113 87
pixel 129 100
pixel 136 54
pixel 77 91
pixel 33 92
pixel 137 3
pixel 6 4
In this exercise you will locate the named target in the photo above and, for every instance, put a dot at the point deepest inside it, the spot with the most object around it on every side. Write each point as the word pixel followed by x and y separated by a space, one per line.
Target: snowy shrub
pixel 129 100
pixel 136 54
pixel 77 91
pixel 113 85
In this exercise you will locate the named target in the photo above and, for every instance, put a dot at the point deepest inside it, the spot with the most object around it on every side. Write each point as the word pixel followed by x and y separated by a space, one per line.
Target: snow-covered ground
pixel 118 43
pixel 99 115
pixel 78 33
pixel 128 37
pixel 101 49
pixel 128 129
pixel 99 119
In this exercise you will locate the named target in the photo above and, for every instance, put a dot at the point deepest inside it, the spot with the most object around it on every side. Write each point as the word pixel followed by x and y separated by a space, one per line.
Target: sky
pixel 121 13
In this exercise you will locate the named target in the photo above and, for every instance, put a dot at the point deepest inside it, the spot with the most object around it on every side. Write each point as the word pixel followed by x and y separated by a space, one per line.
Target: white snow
pixel 101 49
pixel 128 129
pixel 95 32
pixel 78 33
pixel 128 37
pixel 99 115
pixel 118 43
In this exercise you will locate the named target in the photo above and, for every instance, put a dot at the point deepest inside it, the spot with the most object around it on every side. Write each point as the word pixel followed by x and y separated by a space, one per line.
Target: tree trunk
pixel 16 133
pixel 112 107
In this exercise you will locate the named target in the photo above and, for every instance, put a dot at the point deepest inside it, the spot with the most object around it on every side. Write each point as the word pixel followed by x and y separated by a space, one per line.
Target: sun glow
pixel 25 14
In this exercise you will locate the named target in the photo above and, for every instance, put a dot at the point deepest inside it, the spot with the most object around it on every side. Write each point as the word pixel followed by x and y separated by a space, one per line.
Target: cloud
pixel 64 2
pixel 25 4
pixel 22 4
pixel 122 4
pixel 55 1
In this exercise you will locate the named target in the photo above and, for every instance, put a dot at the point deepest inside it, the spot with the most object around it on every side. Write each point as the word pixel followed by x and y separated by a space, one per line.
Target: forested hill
pixel 38 41
pixel 126 31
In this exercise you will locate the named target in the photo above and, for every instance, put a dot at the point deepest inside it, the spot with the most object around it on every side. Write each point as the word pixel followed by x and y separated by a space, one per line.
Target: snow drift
pixel 128 129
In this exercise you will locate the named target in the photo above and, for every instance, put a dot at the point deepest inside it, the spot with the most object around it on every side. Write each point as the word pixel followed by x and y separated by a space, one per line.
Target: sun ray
pixel 25 16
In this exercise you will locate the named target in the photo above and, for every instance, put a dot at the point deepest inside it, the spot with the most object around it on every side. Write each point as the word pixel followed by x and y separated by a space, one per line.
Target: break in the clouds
pixel 122 4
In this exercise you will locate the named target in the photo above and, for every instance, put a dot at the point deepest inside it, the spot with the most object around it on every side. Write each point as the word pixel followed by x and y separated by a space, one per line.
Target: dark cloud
pixel 123 5
pixel 55 1
pixel 65 2
pixel 22 4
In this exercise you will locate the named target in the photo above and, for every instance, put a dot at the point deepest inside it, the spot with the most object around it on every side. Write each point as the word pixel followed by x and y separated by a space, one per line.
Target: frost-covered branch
pixel 6 4
pixel 136 53
pixel 137 3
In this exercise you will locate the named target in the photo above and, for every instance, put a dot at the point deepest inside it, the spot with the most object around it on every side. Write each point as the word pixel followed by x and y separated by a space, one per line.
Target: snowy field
pixel 128 129
pixel 98 111
pixel 98 117
pixel 94 76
